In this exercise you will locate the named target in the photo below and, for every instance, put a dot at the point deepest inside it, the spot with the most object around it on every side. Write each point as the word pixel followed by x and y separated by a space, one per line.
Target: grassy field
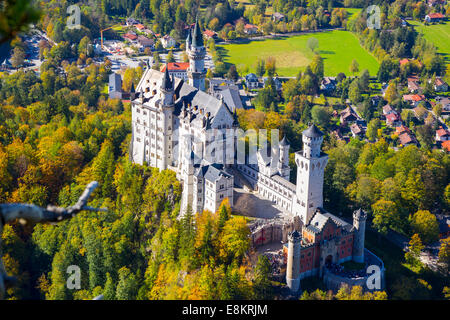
pixel 439 34
pixel 338 48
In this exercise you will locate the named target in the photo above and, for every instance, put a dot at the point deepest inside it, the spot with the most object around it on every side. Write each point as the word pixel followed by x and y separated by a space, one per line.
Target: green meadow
pixel 439 34
pixel 337 48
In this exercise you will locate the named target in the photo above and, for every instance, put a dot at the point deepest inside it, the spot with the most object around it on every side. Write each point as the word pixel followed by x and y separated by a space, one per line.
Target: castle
pixel 177 126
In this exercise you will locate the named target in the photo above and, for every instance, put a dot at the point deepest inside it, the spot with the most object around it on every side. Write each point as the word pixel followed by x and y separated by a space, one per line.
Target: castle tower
pixel 311 164
pixel 293 261
pixel 196 52
pixel 167 109
pixel 359 222
pixel 283 161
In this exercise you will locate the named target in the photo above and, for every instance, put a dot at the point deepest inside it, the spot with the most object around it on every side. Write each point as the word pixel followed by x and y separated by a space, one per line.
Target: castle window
pixel 138 110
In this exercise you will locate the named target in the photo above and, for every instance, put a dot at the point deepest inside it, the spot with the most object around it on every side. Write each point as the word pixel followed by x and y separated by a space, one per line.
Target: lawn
pixel 439 34
pixel 338 48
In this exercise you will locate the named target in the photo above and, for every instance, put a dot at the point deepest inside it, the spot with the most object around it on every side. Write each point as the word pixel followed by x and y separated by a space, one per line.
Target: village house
pixel 406 139
pixel 252 81
pixel 277 82
pixel 401 129
pixel 394 119
pixel 387 109
pixel 434 17
pixel 432 3
pixel 250 28
pixel 356 130
pixel 130 36
pixel 445 102
pixel 168 42
pixel 439 85
pixel 442 135
pixel 446 145
pixel 420 112
pixel 145 42
pixel 348 116
pixel 140 27
pixel 277 17
pixel 328 84
pixel 413 99
pixel 209 34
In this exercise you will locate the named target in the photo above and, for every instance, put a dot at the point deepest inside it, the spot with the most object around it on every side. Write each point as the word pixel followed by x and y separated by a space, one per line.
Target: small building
pixel 439 85
pixel 387 109
pixel 406 139
pixel 277 17
pixel 278 84
pixel 328 84
pixel 168 42
pixel 140 27
pixel 115 86
pixel 442 134
pixel 434 17
pixel 413 86
pixel 131 21
pixel 446 145
pixel 348 116
pixel 356 130
pixel 250 28
pixel 146 42
pixel 404 61
pixel 394 120
pixel 420 112
pixel 209 34
pixel 413 99
pixel 444 225
pixel 252 81
pixel 445 102
pixel 130 36
pixel 402 129
pixel 177 69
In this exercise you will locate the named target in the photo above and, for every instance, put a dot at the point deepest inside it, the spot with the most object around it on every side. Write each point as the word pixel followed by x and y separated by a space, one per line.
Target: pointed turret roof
pixel 132 88
pixel 166 81
pixel 313 132
pixel 189 38
pixel 197 37
pixel 285 141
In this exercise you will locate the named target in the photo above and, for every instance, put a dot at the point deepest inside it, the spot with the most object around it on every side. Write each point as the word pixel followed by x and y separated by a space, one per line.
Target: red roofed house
pixel 413 99
pixel 393 120
pixel 177 69
pixel 209 34
pixel 130 36
pixel 434 17
pixel 406 139
pixel 446 145
pixel 402 129
pixel 250 28
pixel 140 27
pixel 404 61
pixel 442 135
pixel 387 109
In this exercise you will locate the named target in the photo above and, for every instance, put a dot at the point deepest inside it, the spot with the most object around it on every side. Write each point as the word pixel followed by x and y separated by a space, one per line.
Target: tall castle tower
pixel 293 261
pixel 167 108
pixel 311 164
pixel 359 222
pixel 196 52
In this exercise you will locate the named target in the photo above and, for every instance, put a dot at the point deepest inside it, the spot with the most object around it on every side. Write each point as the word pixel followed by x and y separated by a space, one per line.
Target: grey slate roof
pixel 211 172
pixel 312 132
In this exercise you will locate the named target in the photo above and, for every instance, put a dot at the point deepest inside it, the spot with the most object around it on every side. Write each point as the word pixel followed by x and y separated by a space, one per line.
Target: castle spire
pixel 197 38
pixel 166 81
